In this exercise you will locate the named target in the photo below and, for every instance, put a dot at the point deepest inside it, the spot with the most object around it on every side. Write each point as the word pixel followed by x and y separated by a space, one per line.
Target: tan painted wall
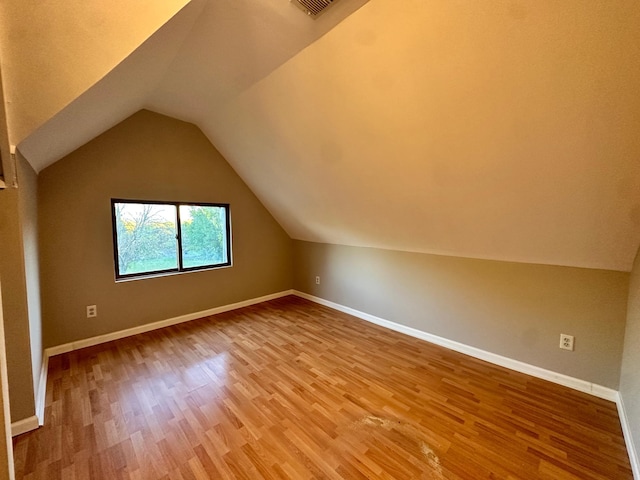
pixel 148 156
pixel 54 51
pixel 630 376
pixel 6 446
pixel 16 319
pixel 6 166
pixel 511 309
pixel 28 204
pixel 12 271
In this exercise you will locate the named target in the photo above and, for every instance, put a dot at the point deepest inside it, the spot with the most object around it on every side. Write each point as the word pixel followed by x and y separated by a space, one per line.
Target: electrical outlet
pixel 92 311
pixel 566 341
pixel 317 280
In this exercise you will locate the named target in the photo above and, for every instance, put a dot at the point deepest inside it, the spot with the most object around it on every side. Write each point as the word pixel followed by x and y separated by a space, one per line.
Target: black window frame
pixel 181 268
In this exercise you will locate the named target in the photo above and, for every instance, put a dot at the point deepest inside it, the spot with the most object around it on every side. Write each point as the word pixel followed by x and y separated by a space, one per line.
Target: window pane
pixel 204 235
pixel 146 236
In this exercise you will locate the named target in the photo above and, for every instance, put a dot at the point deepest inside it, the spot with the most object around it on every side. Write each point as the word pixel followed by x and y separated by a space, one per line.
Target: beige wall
pixel 28 204
pixel 6 166
pixel 6 447
pixel 54 51
pixel 511 309
pixel 630 376
pixel 15 310
pixel 148 156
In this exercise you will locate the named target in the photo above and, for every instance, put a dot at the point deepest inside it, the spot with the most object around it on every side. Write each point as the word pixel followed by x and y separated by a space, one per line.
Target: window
pixel 163 237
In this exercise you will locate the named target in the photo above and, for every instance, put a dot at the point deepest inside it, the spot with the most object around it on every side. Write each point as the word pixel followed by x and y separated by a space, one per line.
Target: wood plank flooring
pixel 292 390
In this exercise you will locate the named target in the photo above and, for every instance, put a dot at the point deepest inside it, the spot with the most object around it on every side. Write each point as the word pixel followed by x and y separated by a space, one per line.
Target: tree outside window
pixel 158 237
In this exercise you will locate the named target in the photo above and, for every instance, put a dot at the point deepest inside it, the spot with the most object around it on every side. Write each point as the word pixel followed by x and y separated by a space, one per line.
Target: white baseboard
pixel 626 430
pixel 24 425
pixel 90 342
pixel 31 423
pixel 559 378
pixel 41 394
pixel 37 420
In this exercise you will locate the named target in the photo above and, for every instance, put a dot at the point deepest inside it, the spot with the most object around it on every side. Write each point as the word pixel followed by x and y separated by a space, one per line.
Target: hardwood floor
pixel 291 389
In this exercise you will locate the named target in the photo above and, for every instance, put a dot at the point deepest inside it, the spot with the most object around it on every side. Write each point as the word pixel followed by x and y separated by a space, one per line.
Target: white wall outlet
pixel 92 311
pixel 566 341
pixel 318 280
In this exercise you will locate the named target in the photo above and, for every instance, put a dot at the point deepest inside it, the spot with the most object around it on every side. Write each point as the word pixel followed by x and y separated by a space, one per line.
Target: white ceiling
pixel 504 130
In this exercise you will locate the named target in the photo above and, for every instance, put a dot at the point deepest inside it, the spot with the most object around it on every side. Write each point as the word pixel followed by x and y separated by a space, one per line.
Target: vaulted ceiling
pixel 505 130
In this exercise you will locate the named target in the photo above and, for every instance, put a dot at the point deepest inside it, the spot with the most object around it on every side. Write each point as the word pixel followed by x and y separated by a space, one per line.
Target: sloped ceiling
pixel 54 51
pixel 116 96
pixel 504 130
pixel 499 130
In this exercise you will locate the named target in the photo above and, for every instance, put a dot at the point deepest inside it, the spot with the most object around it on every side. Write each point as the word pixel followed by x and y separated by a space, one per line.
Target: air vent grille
pixel 313 7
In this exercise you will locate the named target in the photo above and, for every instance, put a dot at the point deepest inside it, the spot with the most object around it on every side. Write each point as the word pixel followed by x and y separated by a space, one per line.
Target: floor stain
pixel 432 458
pixel 400 431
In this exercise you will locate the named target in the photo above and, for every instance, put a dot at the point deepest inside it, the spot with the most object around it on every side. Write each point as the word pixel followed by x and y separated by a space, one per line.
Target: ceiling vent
pixel 313 7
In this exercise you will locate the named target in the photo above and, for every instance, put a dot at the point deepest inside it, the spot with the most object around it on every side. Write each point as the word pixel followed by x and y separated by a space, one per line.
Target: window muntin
pixel 166 237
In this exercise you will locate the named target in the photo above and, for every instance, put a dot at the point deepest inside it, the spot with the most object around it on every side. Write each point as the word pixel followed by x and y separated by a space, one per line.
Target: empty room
pixel 308 239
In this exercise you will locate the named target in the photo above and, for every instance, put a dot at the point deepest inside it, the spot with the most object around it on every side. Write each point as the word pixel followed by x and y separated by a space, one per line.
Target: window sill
pixel 170 274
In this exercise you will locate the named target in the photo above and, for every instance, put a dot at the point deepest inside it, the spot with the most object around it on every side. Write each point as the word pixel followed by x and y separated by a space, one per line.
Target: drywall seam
pixel 90 342
pixel 559 378
pixel 626 430
pixel 23 426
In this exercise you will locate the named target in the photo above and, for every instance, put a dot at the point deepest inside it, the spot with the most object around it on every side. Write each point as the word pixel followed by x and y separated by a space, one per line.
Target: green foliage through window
pixel 155 237
pixel 203 235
